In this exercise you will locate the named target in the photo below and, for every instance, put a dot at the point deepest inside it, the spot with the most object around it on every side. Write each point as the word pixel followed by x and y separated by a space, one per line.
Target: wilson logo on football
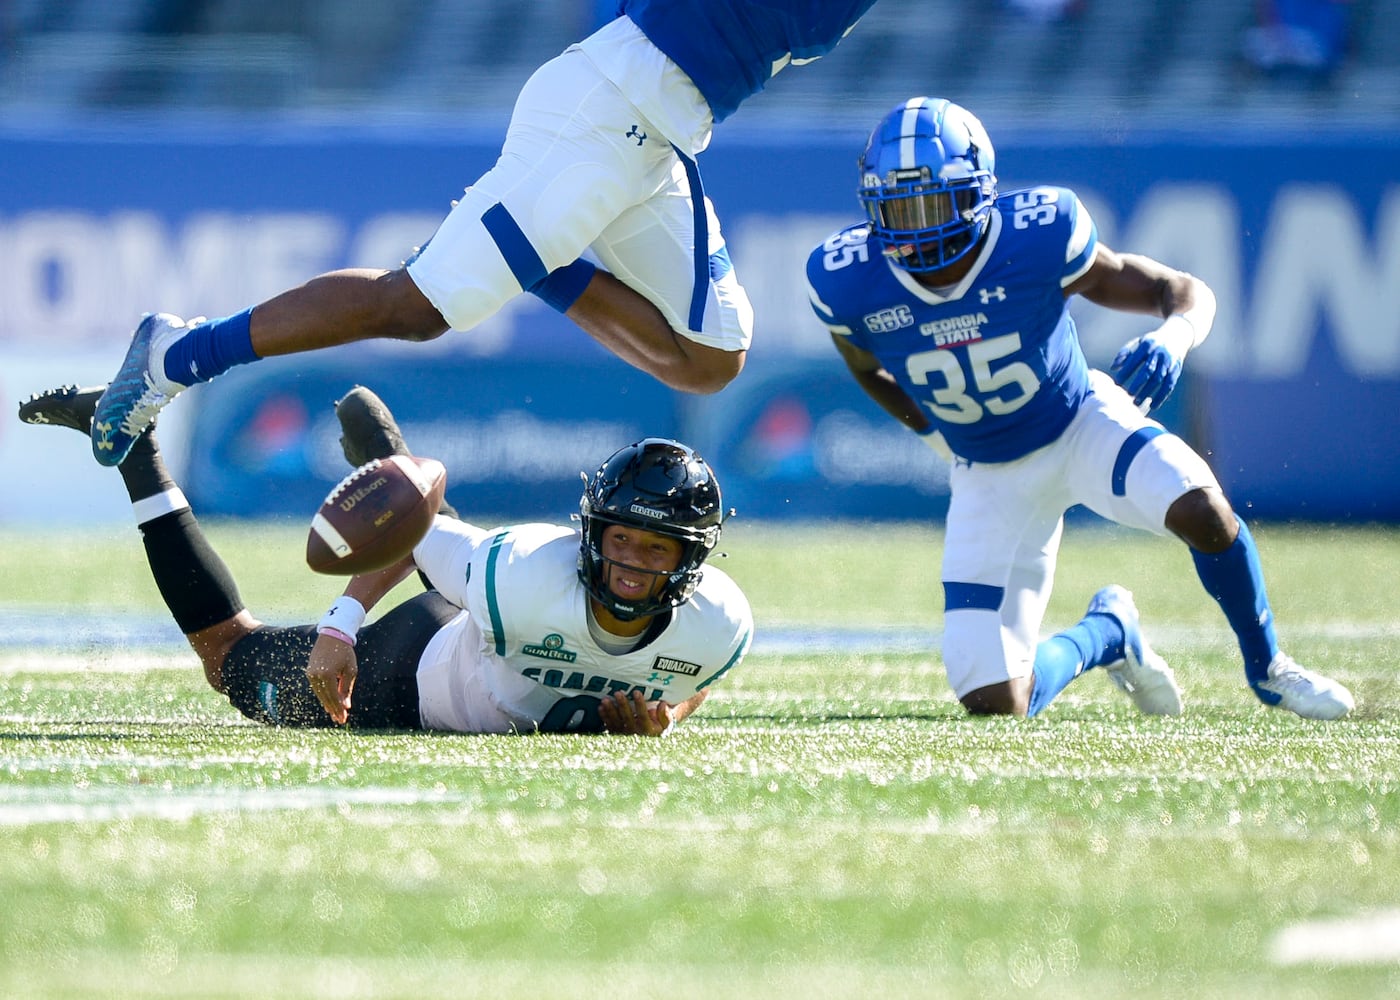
pixel 349 502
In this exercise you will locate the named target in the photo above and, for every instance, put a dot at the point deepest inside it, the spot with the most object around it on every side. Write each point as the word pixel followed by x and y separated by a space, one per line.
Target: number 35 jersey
pixel 994 361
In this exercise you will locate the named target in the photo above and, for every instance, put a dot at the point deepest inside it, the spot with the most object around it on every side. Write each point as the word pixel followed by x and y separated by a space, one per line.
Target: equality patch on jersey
pixel 670 665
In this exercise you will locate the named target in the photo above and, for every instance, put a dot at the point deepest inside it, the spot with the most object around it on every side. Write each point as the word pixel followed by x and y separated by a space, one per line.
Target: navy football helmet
pixel 927 181
pixel 657 485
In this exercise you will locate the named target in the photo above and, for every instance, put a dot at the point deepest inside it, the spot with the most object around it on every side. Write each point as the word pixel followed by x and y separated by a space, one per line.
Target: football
pixel 376 515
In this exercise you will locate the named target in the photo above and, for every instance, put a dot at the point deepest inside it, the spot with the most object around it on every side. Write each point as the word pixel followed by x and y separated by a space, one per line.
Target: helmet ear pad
pixel 655 485
pixel 928 183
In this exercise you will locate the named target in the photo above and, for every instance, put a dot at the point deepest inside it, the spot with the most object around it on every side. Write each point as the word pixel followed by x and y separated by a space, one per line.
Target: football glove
pixel 1148 367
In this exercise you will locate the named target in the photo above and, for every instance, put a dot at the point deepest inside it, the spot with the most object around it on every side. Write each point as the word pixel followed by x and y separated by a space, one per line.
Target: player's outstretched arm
pixel 880 385
pixel 629 325
pixel 1148 367
pixel 332 666
pixel 1134 283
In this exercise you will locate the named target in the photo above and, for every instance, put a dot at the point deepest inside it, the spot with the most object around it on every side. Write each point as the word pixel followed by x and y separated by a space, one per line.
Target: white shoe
pixel 1141 673
pixel 1303 691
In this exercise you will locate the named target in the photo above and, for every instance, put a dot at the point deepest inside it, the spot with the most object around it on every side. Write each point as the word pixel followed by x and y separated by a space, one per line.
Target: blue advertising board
pixel 1292 397
pixel 514 435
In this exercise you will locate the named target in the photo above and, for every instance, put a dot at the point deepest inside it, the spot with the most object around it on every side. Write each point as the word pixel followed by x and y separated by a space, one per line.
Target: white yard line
pixel 48 805
pixel 1362 939
pixel 44 640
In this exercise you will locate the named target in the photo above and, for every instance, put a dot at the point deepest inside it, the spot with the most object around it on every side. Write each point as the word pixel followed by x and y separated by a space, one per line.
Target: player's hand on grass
pixel 631 714
pixel 332 670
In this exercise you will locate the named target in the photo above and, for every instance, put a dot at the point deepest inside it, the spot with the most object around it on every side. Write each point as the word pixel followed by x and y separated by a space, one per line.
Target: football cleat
pixel 1302 691
pixel 139 391
pixel 368 428
pixel 66 406
pixel 1142 674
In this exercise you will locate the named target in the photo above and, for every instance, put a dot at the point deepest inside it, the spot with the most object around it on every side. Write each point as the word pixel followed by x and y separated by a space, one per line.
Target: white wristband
pixel 345 616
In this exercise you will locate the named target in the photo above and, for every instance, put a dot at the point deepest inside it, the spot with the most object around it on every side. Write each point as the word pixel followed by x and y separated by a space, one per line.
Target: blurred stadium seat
pixel 1166 61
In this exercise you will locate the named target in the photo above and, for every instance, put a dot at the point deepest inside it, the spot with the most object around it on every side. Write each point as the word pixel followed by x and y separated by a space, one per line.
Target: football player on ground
pixel 614 626
pixel 599 156
pixel 949 305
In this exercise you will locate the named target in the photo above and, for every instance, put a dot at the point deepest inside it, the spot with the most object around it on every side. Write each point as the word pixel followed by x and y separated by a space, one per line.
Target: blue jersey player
pixel 949 307
pixel 598 159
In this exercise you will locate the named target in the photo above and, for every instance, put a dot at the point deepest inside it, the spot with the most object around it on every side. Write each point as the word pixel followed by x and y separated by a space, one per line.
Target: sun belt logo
pixel 551 647
pixel 655 515
pixel 955 330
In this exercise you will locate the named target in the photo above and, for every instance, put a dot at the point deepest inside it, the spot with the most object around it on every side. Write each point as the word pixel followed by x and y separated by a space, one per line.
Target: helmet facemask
pixel 927 184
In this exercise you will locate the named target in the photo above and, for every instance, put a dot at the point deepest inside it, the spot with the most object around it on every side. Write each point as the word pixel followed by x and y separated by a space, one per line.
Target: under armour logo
pixel 639 136
pixel 987 294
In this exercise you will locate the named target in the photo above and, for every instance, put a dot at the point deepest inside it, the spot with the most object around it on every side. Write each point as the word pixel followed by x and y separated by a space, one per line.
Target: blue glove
pixel 1147 368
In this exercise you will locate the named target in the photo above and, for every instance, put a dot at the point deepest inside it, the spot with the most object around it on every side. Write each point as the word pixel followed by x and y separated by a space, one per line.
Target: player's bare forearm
pixel 369 588
pixel 341 307
pixel 880 385
pixel 630 326
pixel 1131 282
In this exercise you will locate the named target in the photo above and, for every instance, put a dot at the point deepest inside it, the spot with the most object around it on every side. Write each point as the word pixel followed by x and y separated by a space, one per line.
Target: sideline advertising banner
pixel 1293 396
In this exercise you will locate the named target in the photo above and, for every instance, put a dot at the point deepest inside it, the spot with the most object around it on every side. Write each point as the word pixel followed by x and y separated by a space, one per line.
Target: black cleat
pixel 368 428
pixel 66 406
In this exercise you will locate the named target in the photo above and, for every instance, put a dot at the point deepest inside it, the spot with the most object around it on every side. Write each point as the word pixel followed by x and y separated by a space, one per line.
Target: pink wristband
pixel 336 633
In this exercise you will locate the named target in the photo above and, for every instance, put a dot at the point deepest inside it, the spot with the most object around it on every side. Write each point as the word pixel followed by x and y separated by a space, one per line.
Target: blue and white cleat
pixel 139 391
pixel 1302 691
pixel 1141 673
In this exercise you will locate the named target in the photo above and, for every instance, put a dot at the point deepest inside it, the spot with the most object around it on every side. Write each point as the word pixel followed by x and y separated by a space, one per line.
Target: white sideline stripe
pixel 95 663
pixel 1365 939
pixel 193 972
pixel 46 804
pixel 51 640
pixel 188 805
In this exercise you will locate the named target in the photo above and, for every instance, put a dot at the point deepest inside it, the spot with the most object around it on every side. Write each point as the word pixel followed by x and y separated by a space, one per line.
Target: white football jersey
pixel 521 658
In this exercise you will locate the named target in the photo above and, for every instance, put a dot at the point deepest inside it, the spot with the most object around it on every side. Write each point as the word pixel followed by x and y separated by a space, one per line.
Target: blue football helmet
pixel 927 181
pixel 657 485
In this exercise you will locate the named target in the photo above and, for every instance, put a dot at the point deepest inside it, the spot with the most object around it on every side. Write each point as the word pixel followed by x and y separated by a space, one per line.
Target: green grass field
pixel 829 825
